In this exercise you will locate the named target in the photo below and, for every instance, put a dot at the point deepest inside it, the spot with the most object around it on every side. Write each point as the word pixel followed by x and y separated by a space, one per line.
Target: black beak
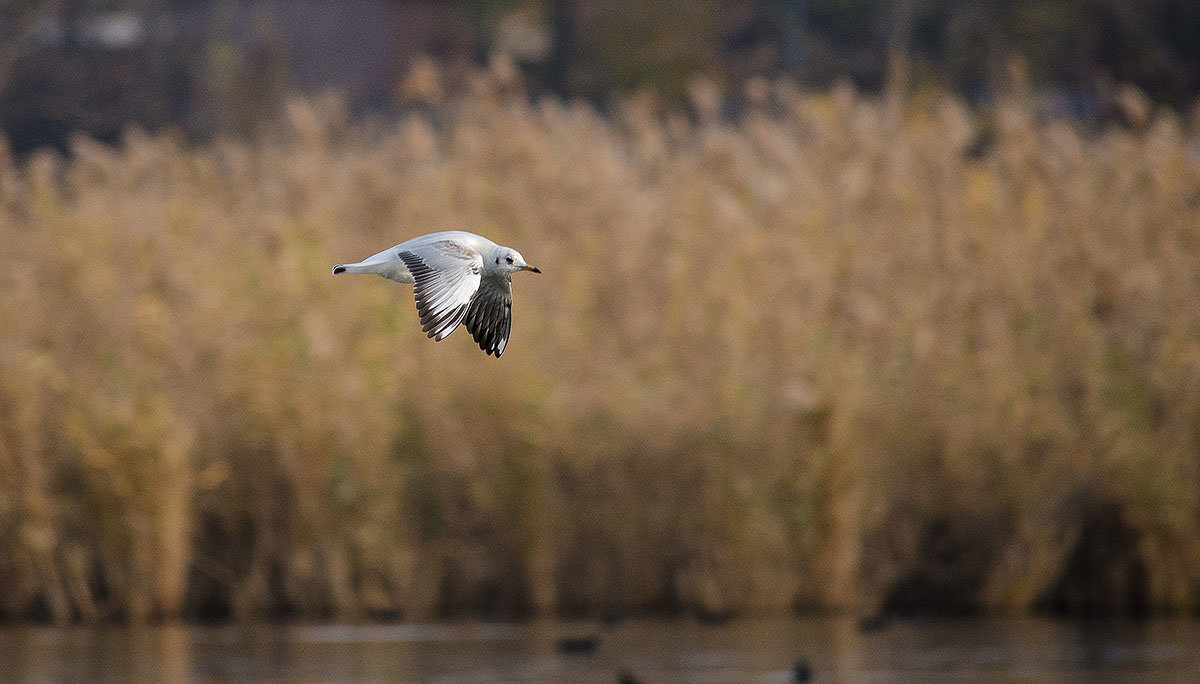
pixel 533 268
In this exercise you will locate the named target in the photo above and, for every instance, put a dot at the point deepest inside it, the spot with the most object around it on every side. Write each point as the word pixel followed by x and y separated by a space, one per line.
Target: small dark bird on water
pixel 713 618
pixel 873 623
pixel 626 677
pixel 801 672
pixel 578 645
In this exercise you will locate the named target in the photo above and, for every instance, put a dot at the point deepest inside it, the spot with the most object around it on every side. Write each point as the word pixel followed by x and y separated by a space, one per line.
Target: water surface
pixel 652 651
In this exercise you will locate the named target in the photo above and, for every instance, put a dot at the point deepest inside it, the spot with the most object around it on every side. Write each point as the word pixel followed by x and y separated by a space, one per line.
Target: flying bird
pixel 457 277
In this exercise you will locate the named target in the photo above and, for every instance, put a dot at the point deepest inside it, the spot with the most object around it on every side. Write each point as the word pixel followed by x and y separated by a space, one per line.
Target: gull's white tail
pixel 360 267
pixel 386 264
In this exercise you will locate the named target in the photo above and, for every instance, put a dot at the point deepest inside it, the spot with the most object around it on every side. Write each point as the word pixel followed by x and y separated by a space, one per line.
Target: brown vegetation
pixel 821 357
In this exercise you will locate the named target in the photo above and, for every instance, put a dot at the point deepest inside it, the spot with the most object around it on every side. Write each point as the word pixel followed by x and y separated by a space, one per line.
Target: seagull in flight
pixel 457 277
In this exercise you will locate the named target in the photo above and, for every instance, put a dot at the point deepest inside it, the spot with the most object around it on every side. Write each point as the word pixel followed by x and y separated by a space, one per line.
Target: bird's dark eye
pixel 508 259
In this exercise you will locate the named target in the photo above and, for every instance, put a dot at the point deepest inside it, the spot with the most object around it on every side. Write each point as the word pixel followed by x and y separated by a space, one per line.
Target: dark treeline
pixel 208 65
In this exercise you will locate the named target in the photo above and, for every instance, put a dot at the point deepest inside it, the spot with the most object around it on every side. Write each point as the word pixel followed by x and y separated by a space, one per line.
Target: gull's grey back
pixel 476 242
pixel 388 264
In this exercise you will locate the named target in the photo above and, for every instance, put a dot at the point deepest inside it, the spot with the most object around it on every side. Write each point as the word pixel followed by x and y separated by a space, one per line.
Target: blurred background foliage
pixel 835 315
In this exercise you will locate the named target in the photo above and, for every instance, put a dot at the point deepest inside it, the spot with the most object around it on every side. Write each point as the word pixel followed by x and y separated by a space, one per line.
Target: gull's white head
pixel 508 260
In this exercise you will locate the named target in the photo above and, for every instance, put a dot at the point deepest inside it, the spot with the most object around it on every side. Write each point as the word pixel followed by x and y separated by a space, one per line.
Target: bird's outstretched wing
pixel 489 317
pixel 445 277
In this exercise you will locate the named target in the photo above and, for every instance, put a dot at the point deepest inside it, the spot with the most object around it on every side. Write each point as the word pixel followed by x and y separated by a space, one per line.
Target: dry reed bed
pixel 817 357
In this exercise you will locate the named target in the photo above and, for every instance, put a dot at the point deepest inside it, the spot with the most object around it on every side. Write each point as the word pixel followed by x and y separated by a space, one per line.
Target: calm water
pixel 652 651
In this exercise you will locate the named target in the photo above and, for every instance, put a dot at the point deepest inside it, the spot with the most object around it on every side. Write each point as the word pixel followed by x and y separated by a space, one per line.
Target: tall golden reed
pixel 804 359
